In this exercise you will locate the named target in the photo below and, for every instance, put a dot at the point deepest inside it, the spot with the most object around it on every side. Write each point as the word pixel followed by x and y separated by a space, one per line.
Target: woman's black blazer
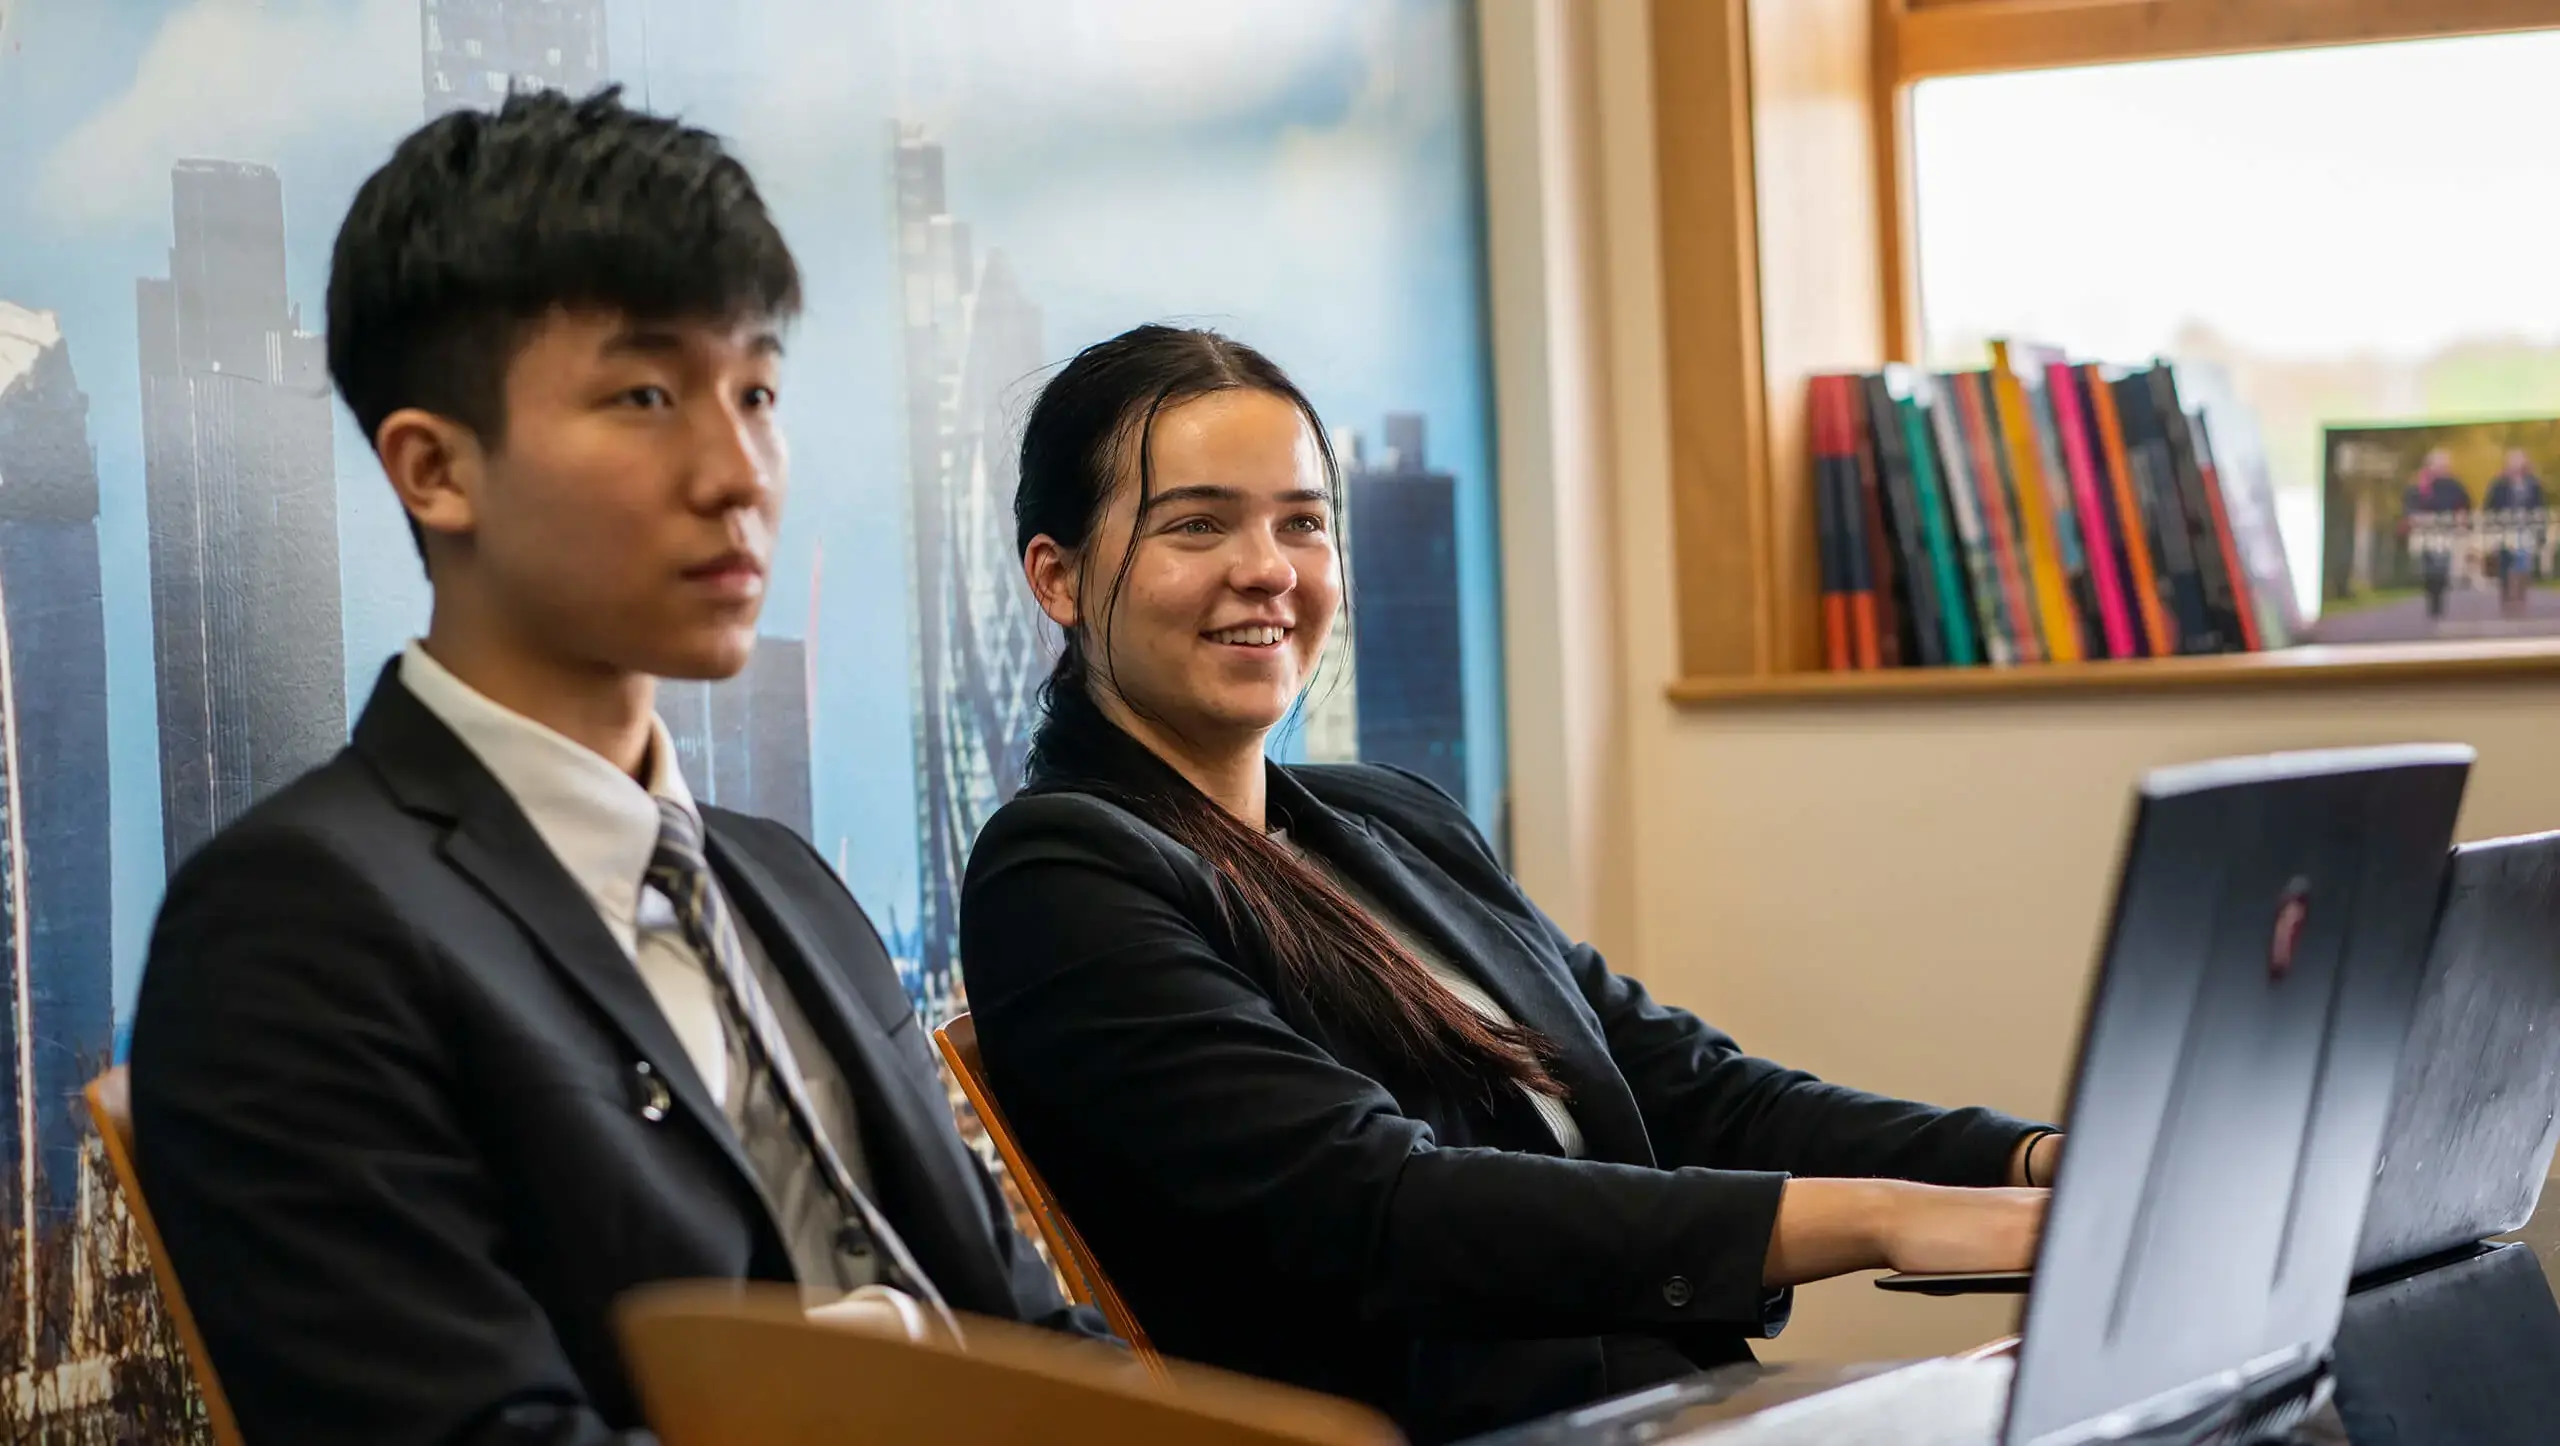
pixel 1272 1196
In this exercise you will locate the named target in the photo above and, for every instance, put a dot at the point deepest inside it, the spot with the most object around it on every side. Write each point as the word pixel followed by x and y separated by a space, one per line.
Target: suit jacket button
pixel 654 1098
pixel 1676 1292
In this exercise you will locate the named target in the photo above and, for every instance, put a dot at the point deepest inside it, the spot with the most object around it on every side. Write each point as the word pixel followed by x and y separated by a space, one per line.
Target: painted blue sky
pixel 1303 176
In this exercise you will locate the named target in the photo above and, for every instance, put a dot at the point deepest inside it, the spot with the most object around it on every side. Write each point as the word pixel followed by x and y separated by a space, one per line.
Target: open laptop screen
pixel 2477 1110
pixel 2270 927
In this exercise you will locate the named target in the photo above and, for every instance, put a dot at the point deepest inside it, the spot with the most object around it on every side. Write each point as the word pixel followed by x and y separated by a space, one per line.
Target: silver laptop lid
pixel 2477 1110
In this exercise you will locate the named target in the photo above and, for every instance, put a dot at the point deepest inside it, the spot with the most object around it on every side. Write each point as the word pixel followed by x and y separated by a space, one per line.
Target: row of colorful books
pixel 2043 510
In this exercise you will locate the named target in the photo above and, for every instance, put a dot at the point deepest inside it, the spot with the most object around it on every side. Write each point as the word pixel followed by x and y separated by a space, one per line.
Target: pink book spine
pixel 2115 612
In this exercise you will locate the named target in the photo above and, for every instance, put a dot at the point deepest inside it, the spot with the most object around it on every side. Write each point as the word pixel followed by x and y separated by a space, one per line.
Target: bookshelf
pixel 1781 136
pixel 2316 665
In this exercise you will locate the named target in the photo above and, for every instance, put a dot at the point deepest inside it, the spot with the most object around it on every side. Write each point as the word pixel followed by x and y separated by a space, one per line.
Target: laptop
pixel 2449 1336
pixel 2269 932
pixel 2477 1112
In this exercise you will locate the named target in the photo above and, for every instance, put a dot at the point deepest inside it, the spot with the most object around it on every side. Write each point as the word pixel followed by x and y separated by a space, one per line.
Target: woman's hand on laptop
pixel 1832 1227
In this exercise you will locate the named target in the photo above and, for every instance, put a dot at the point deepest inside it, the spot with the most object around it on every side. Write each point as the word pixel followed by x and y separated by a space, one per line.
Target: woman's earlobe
pixel 1050 571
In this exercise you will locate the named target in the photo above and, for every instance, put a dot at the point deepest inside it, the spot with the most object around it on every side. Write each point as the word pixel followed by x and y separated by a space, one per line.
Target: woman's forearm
pixel 1827 1228
pixel 1832 1227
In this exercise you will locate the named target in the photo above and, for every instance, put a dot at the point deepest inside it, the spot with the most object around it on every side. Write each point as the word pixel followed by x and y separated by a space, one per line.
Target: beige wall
pixel 1901 895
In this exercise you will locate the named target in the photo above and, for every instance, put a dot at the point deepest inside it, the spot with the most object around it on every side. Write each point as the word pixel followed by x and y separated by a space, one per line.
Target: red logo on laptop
pixel 2292 908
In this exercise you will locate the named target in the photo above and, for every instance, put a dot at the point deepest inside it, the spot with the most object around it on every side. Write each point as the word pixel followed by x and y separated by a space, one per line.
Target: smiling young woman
pixel 1327 1093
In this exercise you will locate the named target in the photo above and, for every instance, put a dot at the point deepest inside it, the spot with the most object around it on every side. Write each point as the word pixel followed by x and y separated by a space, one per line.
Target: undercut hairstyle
pixel 482 223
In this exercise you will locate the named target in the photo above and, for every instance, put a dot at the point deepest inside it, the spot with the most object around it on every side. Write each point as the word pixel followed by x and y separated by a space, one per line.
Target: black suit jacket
pixel 1273 1196
pixel 388 1095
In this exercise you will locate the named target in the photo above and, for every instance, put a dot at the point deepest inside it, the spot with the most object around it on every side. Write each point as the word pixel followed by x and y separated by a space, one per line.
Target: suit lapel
pixel 920 1132
pixel 1473 938
pixel 534 890
pixel 493 844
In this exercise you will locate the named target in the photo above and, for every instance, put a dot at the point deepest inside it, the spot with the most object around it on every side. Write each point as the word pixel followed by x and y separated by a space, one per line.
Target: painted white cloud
pixel 236 80
pixel 1338 183
pixel 1177 61
pixel 1090 66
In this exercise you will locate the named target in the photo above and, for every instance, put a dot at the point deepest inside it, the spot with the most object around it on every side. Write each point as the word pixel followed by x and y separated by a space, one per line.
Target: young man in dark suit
pixel 463 1035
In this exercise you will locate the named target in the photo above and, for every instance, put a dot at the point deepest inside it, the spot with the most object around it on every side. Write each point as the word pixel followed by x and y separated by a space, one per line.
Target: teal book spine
pixel 1954 606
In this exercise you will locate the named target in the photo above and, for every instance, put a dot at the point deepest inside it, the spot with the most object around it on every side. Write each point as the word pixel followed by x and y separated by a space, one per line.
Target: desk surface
pixel 1961 1410
pixel 2543 1233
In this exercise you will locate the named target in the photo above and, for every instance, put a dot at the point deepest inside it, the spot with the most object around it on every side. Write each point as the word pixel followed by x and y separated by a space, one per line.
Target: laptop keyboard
pixel 1927 1403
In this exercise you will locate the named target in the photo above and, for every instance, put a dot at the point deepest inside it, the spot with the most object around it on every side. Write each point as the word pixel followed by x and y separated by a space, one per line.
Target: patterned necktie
pixel 679 870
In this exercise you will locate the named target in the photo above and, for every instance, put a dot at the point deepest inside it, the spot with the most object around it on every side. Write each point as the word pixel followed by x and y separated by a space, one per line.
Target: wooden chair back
pixel 958 1041
pixel 111 1108
pixel 725 1364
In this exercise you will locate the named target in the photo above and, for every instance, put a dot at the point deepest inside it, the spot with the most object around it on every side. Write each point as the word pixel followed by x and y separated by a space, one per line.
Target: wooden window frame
pixel 1782 139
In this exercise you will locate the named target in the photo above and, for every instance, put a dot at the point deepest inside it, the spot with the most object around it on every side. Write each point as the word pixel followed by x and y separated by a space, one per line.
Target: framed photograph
pixel 2439 530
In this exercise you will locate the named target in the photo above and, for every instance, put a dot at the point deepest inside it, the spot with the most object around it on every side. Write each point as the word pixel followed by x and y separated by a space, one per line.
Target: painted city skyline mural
pixel 202 571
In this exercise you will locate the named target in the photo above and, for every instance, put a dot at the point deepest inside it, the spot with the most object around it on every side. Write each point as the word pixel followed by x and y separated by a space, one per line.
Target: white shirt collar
pixel 600 824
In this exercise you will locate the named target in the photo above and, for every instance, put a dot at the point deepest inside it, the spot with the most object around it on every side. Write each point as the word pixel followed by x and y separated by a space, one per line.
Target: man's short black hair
pixel 482 222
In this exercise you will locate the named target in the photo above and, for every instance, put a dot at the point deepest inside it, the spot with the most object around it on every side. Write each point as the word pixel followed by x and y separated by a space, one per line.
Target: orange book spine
pixel 2158 631
pixel 2062 642
pixel 1862 624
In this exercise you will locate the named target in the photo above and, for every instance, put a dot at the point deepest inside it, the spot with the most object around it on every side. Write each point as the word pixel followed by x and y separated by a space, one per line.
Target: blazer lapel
pixel 920 1129
pixel 1472 937
pixel 542 898
pixel 494 845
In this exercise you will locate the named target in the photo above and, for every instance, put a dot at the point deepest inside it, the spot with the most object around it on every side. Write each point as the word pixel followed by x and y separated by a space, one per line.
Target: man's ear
pixel 1056 579
pixel 436 466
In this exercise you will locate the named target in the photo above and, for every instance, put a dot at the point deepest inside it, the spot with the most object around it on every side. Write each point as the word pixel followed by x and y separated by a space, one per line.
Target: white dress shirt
pixel 603 828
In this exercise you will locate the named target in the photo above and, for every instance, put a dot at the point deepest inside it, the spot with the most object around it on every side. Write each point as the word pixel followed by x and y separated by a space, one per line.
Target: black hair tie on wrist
pixel 2027 1161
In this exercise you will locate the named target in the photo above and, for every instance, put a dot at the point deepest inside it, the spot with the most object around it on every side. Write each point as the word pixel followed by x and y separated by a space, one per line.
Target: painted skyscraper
pixel 1404 576
pixel 972 348
pixel 55 909
pixel 1327 719
pixel 744 743
pixel 472 52
pixel 243 504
